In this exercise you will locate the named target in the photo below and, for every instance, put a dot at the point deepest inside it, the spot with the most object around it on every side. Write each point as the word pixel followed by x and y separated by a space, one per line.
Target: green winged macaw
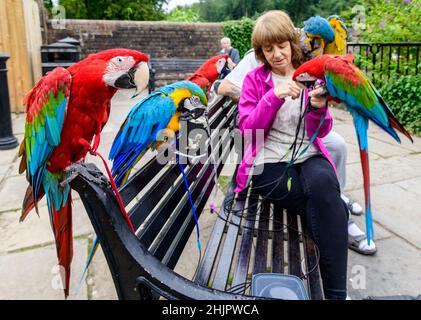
pixel 67 105
pixel 346 83
pixel 151 121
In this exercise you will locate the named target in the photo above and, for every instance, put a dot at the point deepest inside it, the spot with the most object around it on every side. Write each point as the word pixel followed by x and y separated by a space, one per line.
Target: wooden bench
pixel 156 200
pixel 168 70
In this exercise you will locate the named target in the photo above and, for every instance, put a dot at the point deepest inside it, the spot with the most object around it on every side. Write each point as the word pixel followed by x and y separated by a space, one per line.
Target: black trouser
pixel 315 193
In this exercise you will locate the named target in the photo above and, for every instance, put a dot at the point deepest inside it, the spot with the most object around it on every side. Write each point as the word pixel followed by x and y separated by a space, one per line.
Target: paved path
pixel 27 251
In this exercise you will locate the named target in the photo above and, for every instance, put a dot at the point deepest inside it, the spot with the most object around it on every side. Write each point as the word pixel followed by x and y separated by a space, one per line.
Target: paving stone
pixel 15 235
pixel 411 185
pixel 102 285
pixel 396 209
pixel 32 274
pixel 8 156
pixel 354 154
pixel 394 270
pixel 383 171
pixel 12 192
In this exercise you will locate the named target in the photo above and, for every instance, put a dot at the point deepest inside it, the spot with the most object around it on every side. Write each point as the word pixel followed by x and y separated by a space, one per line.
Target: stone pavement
pixel 27 251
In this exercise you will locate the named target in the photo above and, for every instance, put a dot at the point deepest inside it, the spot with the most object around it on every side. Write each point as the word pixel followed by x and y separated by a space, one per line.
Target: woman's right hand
pixel 288 88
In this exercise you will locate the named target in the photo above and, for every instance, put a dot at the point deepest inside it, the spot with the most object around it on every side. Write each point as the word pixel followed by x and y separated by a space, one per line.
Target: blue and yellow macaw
pixel 325 36
pixel 151 122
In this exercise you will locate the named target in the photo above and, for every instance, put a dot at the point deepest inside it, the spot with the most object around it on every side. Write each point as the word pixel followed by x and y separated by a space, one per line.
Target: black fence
pixel 381 61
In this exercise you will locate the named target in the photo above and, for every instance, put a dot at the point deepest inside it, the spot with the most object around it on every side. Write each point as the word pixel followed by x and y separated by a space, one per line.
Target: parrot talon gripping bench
pixel 156 200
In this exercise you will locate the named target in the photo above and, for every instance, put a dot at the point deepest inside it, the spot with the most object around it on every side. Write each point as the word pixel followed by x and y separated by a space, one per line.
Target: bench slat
pixel 278 239
pixel 154 225
pixel 240 273
pixel 262 239
pixel 209 257
pixel 224 266
pixel 172 255
pixel 219 114
pixel 294 261
pixel 166 238
pixel 314 280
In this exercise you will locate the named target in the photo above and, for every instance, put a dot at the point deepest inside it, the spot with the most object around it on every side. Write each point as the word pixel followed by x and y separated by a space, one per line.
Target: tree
pixel 114 10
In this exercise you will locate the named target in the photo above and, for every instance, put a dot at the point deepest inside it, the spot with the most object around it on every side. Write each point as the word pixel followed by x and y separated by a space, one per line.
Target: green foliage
pixel 387 20
pixel 240 33
pixel 114 10
pixel 402 95
pixel 184 14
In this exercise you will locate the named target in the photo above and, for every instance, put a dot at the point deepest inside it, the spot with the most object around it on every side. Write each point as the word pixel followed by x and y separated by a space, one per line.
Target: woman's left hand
pixel 316 100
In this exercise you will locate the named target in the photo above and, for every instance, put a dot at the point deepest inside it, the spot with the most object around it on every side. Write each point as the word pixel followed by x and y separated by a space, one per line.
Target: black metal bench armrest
pixel 131 264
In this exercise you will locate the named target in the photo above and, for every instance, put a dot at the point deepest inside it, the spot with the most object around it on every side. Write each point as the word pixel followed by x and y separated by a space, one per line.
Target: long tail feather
pixel 29 203
pixel 361 127
pixel 91 254
pixel 62 227
pixel 397 125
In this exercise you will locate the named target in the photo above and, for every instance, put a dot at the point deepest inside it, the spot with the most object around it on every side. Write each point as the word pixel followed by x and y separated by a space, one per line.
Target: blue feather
pixel 321 27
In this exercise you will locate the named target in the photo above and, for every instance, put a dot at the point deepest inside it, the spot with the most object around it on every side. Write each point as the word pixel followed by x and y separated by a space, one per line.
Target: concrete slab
pixel 35 231
pixel 411 185
pixel 393 270
pixel 32 274
pixel 12 192
pixel 100 279
pixel 397 210
pixel 384 171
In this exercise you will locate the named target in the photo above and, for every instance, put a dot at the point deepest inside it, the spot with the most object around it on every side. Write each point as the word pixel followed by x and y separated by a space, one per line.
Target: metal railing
pixel 381 61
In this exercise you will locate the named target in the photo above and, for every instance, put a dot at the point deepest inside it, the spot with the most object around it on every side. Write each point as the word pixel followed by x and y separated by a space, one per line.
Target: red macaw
pixel 63 107
pixel 346 83
pixel 209 72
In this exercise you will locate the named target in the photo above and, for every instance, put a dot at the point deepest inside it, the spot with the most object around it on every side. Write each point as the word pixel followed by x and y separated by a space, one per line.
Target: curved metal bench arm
pixel 132 267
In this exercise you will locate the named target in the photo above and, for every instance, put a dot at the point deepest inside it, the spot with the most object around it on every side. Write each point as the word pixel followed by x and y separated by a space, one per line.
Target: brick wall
pixel 159 39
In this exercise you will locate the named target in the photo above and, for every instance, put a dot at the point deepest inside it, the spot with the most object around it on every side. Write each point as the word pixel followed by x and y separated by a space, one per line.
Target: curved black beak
pixel 191 109
pixel 126 80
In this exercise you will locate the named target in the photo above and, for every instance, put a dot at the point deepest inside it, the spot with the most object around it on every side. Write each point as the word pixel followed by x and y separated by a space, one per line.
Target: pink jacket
pixel 257 108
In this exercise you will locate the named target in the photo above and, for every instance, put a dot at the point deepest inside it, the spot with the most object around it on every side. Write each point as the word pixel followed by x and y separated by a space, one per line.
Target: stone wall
pixel 158 39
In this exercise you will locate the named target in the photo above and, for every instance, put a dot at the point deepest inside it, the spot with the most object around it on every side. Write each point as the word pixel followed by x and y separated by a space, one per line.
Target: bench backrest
pixel 169 70
pixel 160 209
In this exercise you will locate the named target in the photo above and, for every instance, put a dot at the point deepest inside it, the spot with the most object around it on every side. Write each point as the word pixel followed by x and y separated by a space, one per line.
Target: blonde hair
pixel 276 26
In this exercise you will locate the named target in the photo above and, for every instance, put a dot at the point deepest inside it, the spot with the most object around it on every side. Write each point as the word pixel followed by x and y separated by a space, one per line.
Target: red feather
pixel 86 114
pixel 207 71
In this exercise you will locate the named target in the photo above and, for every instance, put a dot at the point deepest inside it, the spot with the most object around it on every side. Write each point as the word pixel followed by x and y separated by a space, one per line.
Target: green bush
pixel 239 31
pixel 402 95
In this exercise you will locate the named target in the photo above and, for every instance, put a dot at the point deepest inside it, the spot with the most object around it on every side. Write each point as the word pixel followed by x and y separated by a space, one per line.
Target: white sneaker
pixel 353 206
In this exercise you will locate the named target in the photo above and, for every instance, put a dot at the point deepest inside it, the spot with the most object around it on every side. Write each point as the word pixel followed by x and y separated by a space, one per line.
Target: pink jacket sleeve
pixel 255 113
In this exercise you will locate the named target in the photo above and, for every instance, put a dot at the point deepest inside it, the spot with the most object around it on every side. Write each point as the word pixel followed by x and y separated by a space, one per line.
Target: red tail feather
pixel 396 124
pixel 64 241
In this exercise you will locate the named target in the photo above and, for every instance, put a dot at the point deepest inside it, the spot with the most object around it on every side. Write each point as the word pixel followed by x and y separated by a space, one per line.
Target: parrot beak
pixel 306 79
pixel 192 108
pixel 140 77
pixel 137 77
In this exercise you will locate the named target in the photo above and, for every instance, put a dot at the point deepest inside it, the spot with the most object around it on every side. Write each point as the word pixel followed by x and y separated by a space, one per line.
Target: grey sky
pixel 174 3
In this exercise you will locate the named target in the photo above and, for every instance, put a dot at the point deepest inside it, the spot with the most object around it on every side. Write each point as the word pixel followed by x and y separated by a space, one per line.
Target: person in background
pixel 228 49
pixel 231 86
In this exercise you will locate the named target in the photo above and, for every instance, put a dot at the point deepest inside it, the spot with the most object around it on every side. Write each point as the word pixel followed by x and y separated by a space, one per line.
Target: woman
pixel 303 177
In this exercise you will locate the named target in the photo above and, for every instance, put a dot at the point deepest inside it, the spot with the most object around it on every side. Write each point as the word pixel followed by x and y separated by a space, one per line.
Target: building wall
pixel 158 39
pixel 20 39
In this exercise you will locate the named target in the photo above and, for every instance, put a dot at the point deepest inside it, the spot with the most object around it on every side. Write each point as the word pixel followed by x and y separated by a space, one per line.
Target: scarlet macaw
pixel 346 83
pixel 64 106
pixel 209 72
pixel 150 121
